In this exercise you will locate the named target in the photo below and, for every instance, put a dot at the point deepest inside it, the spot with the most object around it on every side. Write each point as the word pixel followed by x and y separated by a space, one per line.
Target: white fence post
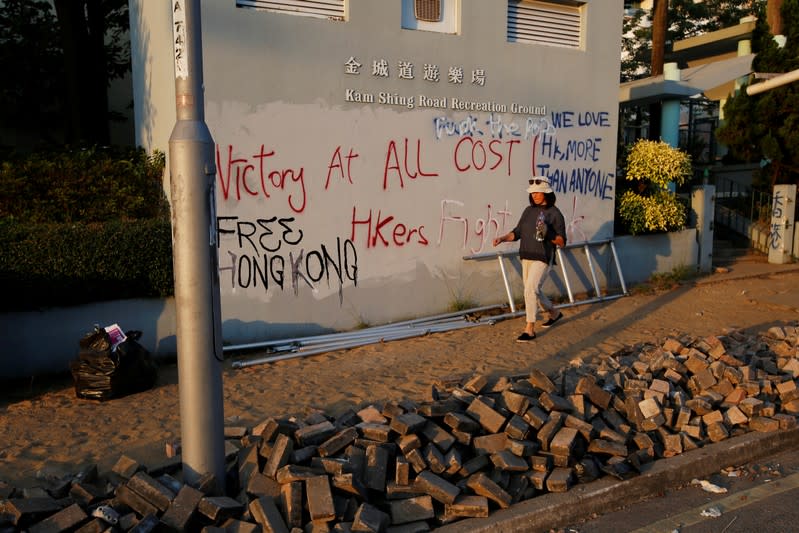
pixel 703 205
pixel 781 232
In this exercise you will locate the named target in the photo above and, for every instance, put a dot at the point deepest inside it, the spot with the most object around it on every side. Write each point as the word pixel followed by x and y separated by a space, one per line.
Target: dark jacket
pixel 529 247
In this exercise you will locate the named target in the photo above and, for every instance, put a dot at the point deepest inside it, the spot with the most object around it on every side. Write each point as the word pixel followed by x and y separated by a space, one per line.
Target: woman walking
pixel 541 228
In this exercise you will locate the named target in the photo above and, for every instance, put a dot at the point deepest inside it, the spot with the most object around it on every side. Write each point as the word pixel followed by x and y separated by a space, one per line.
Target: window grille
pixel 427 10
pixel 552 23
pixel 329 9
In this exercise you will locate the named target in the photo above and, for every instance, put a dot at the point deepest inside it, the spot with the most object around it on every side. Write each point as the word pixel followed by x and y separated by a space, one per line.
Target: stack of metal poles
pixel 280 349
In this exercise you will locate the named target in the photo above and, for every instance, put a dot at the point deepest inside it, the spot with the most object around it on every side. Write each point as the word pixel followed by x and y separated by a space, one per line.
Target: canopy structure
pixel 713 80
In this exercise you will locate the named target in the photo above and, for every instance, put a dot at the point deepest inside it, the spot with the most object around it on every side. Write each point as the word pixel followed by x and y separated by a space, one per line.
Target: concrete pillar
pixel 670 114
pixel 781 233
pixel 703 207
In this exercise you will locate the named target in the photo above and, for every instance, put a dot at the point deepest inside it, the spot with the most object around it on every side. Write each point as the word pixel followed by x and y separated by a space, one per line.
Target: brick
pixel 476 383
pixel 232 525
pixel 350 483
pixel 408 423
pixel 439 408
pixel 736 396
pixel 261 485
pixel 650 408
pixel 291 503
pixel 290 473
pixel 791 408
pixel 482 485
pixel 85 493
pixel 376 467
pixel 548 431
pixel 126 467
pixel 438 436
pixel 713 416
pixel 606 447
pixel 763 424
pixel 488 444
pixel 461 422
pixel 370 519
pixel 467 506
pixel 717 431
pixel 437 487
pixel 538 478
pixel 371 414
pixel 410 442
pixel 552 402
pixel 219 508
pixel 265 513
pixel 785 421
pixel 523 448
pixel 540 381
pixel 320 499
pixel 453 461
pixel 489 419
pixel 279 456
pixel 416 460
pixel 63 520
pixel 475 464
pixel 517 428
pixel 507 461
pixel 182 508
pixel 535 417
pixel 132 499
pixel 338 442
pixel 735 417
pixel 315 433
pixel 595 394
pixel 560 480
pixel 751 406
pixel 332 465
pixel 434 458
pixel 563 441
pixel 402 471
pixel 151 490
pixel 411 510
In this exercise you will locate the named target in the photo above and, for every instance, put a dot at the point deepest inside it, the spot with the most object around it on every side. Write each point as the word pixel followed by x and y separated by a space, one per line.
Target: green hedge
pixel 46 265
pixel 82 185
pixel 83 225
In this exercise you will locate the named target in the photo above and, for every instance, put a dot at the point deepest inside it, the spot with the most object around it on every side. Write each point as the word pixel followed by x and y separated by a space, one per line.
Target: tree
pixel 685 18
pixel 765 127
pixel 62 55
pixel 32 87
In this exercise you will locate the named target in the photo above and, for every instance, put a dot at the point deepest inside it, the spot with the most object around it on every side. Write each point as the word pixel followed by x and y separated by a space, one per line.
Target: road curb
pixel 551 511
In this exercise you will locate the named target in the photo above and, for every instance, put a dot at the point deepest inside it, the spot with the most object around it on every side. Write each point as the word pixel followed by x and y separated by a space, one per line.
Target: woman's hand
pixel 558 241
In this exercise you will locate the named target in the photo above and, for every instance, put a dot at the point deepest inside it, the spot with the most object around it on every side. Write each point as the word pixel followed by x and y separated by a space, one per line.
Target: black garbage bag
pixel 102 372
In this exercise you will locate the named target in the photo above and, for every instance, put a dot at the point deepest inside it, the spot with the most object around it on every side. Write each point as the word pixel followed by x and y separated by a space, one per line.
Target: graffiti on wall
pixel 265 192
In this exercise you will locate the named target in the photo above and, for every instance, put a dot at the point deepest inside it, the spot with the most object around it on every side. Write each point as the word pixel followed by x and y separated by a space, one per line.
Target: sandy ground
pixel 45 429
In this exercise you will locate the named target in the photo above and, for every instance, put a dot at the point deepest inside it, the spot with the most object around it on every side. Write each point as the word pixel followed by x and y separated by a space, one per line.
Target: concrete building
pixel 364 147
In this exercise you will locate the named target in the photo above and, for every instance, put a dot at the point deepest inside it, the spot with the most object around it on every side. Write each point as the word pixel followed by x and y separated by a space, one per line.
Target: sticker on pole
pixel 179 39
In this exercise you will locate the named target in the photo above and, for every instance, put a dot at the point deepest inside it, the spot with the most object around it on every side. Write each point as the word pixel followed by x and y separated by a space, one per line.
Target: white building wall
pixel 357 194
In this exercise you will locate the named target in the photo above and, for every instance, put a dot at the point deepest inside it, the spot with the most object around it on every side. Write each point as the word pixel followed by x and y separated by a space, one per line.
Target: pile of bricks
pixel 475 445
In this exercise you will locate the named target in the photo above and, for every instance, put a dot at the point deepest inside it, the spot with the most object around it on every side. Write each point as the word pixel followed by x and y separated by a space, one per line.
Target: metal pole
pixel 199 339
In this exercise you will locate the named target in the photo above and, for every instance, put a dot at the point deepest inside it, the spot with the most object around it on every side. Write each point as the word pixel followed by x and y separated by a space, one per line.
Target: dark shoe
pixel 551 321
pixel 525 337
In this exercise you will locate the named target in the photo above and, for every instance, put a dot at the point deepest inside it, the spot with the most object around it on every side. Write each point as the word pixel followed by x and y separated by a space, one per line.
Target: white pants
pixel 534 274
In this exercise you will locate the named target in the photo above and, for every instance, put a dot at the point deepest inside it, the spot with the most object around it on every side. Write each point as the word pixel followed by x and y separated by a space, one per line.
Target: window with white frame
pixel 549 22
pixel 329 9
pixel 431 15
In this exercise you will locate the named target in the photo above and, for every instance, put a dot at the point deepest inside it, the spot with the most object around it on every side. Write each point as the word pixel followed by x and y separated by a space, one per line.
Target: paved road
pixel 761 497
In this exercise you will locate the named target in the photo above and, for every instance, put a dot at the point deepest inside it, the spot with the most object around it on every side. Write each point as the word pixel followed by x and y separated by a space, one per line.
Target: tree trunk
pixel 774 16
pixel 83 33
pixel 659 25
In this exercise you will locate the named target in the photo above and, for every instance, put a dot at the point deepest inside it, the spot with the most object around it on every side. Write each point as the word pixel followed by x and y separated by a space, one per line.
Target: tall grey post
pixel 199 338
